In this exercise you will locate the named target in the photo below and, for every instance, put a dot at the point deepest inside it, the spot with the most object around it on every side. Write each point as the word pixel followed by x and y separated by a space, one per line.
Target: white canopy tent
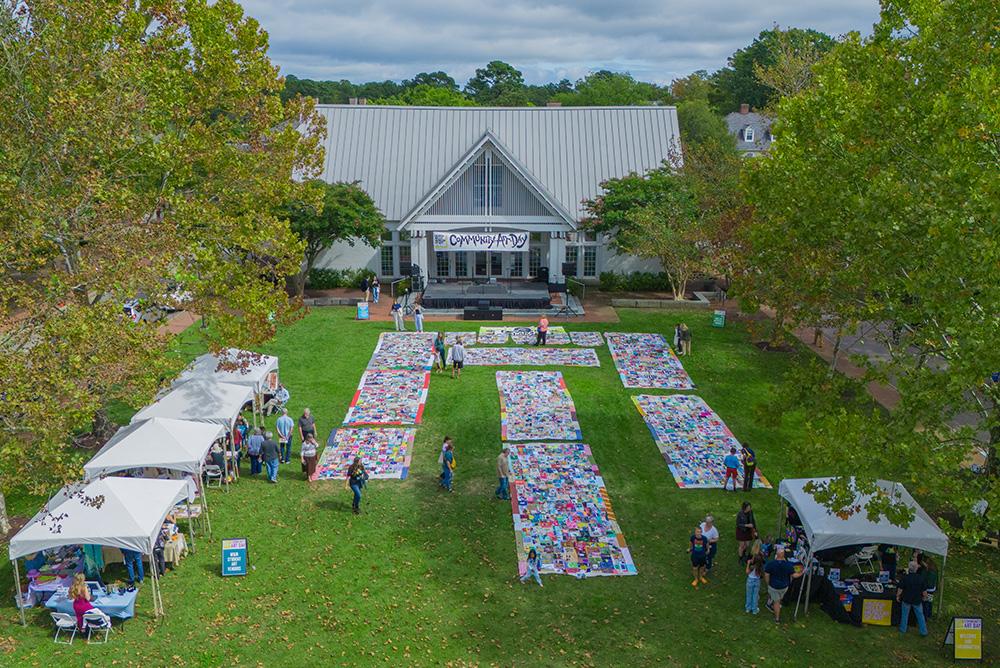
pixel 254 369
pixel 201 400
pixel 118 512
pixel 826 530
pixel 178 445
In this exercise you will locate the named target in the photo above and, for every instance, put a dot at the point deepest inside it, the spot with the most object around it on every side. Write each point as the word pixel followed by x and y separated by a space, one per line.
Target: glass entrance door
pixel 489 263
pixel 496 264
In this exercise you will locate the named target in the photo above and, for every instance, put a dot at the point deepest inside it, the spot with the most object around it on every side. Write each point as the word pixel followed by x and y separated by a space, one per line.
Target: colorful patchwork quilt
pixel 522 336
pixel 645 360
pixel 389 396
pixel 404 350
pixel 590 339
pixel 385 452
pixel 468 338
pixel 561 508
pixel 692 438
pixel 493 335
pixel 536 406
pixel 540 356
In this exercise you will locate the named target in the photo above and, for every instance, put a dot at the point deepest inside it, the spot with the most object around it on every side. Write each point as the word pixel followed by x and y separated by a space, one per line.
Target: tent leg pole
pixel 777 528
pixel 944 564
pixel 809 582
pixel 194 546
pixel 20 599
pixel 204 507
pixel 798 600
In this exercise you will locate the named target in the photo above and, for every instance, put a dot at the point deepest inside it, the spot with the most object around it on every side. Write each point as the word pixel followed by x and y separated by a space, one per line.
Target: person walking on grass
pixel 308 456
pixel 755 571
pixel 698 551
pixel 503 473
pixel 447 466
pixel 272 457
pixel 778 574
pixel 457 359
pixel 749 458
pixel 397 316
pixel 542 332
pixel 418 318
pixel 677 339
pixel 284 426
pixel 711 534
pixel 534 568
pixel 685 340
pixel 732 464
pixel 307 424
pixel 746 530
pixel 440 360
pixel 254 443
pixel 357 480
pixel 911 594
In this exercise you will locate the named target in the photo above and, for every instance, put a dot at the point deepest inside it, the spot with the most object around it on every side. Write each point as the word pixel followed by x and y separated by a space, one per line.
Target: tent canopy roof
pixel 200 400
pixel 129 515
pixel 826 530
pixel 158 442
pixel 255 372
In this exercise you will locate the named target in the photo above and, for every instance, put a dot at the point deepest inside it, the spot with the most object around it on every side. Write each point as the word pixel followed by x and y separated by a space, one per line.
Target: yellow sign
pixel 968 638
pixel 877 611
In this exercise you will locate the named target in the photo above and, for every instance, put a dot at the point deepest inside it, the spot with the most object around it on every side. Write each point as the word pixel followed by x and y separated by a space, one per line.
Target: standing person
pixel 397 316
pixel 888 559
pixel 677 339
pixel 503 473
pixel 254 443
pixel 732 464
pixel 749 467
pixel 357 479
pixel 93 563
pixel 444 447
pixel 911 594
pixel 133 564
pixel 439 352
pixel 685 339
pixel 376 288
pixel 710 532
pixel 543 331
pixel 778 574
pixel 930 584
pixel 307 424
pixel 308 456
pixel 457 359
pixel 746 530
pixel 755 571
pixel 365 288
pixel 272 457
pixel 698 551
pixel 238 436
pixel 534 568
pixel 447 466
pixel 418 318
pixel 284 425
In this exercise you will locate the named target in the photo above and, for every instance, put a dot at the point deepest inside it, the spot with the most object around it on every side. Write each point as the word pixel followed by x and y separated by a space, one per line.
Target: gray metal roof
pixel 761 124
pixel 399 154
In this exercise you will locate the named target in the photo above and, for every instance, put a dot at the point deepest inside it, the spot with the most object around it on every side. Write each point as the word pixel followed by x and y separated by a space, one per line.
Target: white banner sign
pixel 471 241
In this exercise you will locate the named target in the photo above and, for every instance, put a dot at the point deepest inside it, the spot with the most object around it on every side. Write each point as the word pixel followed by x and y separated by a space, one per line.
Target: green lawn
pixel 427 578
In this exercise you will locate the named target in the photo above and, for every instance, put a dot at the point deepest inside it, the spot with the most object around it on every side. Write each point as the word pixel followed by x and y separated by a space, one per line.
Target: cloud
pixel 546 39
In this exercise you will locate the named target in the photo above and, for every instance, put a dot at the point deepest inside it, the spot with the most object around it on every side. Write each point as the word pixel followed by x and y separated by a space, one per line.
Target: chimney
pixel 744 108
pixel 553 104
pixel 352 100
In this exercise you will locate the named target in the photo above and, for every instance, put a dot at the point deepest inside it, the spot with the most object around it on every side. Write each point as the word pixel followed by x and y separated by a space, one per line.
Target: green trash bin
pixel 719 318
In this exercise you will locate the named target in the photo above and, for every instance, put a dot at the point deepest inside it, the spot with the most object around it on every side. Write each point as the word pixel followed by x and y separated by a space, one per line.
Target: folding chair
pixel 213 472
pixel 96 620
pixel 864 557
pixel 64 622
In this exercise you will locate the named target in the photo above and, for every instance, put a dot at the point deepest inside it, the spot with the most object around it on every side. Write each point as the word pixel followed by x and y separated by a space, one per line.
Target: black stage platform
pixel 518 295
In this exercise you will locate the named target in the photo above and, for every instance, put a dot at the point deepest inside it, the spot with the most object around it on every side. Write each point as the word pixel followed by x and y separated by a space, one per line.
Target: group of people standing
pixel 372 288
pixel 442 356
pixel 399 319
pixel 682 339
pixel 267 454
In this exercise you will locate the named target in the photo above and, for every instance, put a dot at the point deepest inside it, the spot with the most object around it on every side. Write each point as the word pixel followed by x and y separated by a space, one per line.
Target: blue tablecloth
pixel 117 606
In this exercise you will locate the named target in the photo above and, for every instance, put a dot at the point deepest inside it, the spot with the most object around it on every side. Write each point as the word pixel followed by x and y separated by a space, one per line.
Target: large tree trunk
pixel 4 520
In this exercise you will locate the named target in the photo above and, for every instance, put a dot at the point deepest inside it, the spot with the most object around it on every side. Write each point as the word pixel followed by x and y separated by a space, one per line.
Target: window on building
pixel 387 236
pixel 480 263
pixel 461 264
pixel 404 236
pixel 590 261
pixel 517 265
pixel 404 259
pixel 748 133
pixel 534 260
pixel 572 253
pixel 387 269
pixel 496 185
pixel 442 263
pixel 480 186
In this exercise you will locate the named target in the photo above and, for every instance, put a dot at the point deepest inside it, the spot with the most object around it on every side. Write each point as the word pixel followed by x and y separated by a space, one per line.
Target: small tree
pixel 338 212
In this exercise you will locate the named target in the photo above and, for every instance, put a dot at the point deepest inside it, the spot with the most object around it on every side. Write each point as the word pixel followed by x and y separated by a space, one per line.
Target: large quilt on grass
pixel 562 509
pixel 646 361
pixel 404 350
pixel 389 397
pixel 385 452
pixel 540 356
pixel 692 438
pixel 536 406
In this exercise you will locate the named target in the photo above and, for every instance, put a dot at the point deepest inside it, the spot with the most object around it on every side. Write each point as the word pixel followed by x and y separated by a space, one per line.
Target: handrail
pixel 583 288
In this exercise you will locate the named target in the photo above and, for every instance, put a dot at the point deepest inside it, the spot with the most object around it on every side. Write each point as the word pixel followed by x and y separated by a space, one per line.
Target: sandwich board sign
pixel 234 556
pixel 966 635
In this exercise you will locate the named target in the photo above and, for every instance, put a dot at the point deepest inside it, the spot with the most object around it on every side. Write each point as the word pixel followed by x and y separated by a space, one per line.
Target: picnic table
pixel 117 606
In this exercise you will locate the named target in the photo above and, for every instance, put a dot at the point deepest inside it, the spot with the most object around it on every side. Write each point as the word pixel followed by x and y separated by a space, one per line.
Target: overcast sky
pixel 655 40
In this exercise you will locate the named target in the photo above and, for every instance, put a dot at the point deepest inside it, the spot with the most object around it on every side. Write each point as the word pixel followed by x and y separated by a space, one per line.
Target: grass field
pixel 428 578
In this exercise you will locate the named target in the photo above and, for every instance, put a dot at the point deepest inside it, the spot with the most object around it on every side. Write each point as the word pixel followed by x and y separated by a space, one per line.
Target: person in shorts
pixel 699 554
pixel 457 359
pixel 732 464
pixel 778 573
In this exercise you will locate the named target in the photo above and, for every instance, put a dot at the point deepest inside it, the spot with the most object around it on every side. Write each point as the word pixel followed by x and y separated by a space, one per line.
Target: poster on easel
pixel 362 311
pixel 966 636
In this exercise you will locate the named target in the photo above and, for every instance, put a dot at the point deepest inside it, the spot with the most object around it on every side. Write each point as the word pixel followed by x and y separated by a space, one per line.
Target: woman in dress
pixel 746 530
pixel 439 353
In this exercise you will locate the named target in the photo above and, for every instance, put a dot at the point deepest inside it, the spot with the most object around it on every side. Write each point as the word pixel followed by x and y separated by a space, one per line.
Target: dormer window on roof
pixel 748 133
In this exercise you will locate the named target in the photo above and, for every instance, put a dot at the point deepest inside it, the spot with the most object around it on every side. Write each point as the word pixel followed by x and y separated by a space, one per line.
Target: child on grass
pixel 534 568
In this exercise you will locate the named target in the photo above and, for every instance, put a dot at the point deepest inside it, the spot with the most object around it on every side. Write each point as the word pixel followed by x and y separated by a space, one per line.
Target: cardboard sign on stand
pixel 966 634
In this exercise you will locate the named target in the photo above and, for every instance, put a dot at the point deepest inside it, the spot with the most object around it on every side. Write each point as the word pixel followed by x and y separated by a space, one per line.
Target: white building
pixel 490 170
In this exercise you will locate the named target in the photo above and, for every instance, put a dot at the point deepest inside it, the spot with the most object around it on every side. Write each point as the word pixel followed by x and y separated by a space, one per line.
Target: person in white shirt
pixel 711 532
pixel 457 359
